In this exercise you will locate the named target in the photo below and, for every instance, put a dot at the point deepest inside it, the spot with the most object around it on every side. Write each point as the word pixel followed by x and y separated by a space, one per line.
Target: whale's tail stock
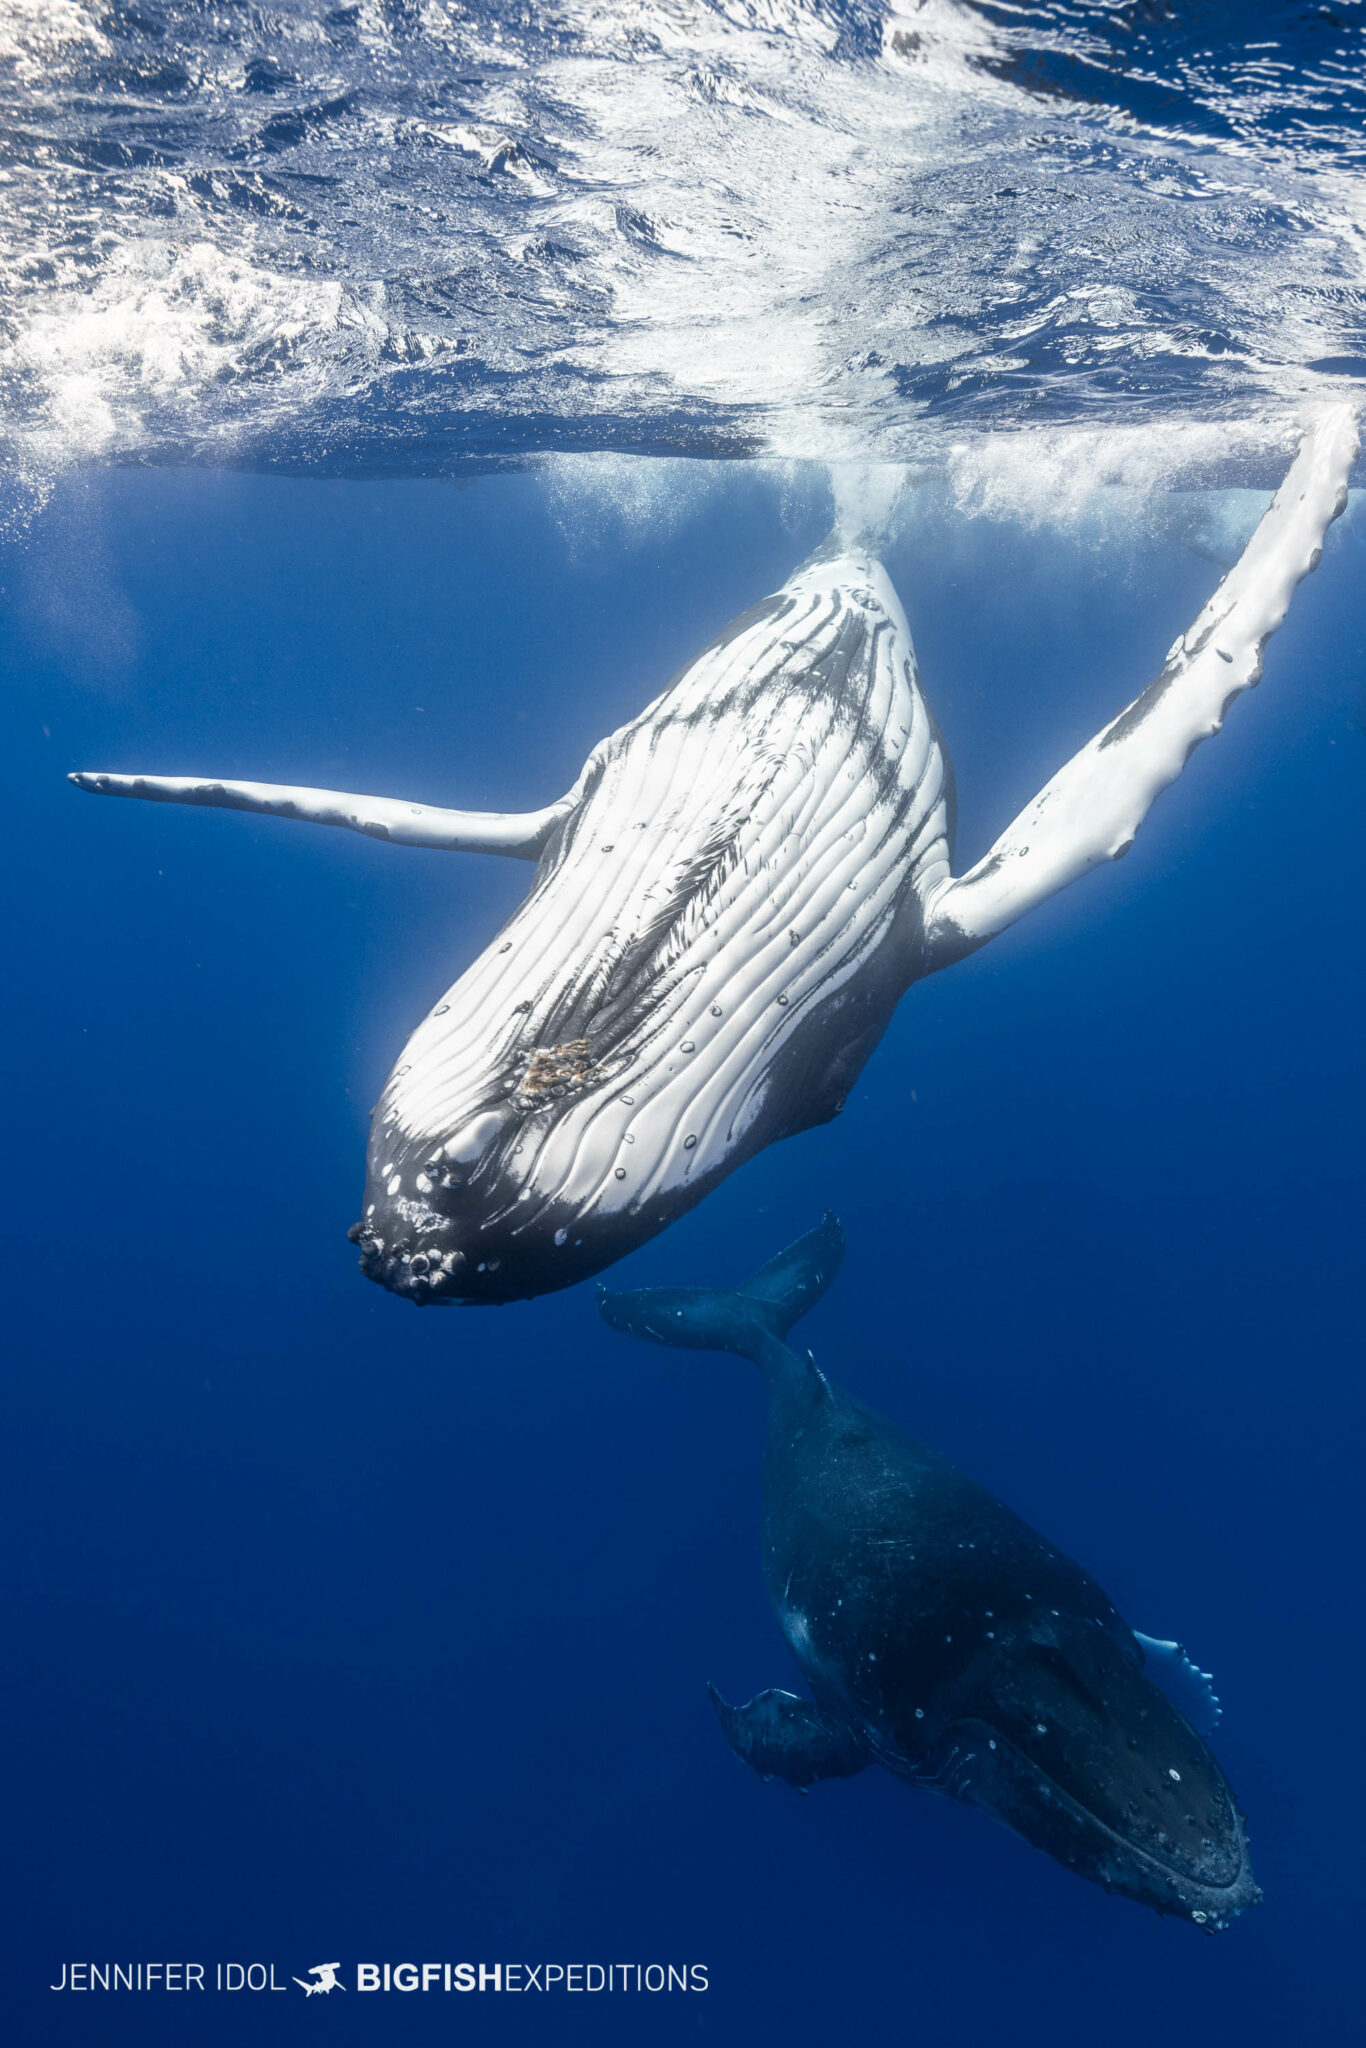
pixel 747 1319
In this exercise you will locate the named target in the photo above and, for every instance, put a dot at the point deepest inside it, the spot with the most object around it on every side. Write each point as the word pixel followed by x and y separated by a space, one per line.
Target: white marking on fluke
pixel 727 907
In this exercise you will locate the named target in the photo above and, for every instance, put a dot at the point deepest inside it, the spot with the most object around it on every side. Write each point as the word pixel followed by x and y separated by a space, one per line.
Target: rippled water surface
pixel 413 235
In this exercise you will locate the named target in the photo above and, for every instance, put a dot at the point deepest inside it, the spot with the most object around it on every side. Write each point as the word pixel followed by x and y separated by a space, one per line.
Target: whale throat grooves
pixel 717 932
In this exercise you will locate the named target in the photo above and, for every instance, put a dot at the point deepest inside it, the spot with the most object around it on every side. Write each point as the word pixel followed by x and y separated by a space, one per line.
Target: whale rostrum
pixel 944 1639
pixel 727 907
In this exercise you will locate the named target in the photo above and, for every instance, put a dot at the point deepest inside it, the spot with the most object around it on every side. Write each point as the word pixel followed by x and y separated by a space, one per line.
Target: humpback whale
pixel 727 907
pixel 942 1638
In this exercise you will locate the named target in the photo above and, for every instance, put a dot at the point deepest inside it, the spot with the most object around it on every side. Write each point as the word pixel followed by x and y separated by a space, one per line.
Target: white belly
pixel 740 856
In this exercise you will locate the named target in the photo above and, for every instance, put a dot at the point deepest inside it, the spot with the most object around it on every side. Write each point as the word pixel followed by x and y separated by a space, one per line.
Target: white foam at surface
pixel 624 500
pixel 33 33
pixel 647 215
pixel 866 499
pixel 132 354
pixel 1053 477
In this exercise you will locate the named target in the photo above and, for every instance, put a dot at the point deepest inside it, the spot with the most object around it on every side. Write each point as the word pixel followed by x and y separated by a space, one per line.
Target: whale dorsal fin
pixel 1094 805
pixel 1190 1690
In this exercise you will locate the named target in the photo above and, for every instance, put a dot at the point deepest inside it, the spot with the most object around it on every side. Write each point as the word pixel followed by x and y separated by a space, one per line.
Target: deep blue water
pixel 336 1631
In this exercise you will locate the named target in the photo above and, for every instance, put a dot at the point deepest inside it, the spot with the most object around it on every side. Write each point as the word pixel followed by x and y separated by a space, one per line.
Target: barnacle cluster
pixel 555 1070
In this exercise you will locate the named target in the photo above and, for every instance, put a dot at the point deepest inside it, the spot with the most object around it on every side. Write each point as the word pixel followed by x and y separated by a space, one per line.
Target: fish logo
pixel 326 1979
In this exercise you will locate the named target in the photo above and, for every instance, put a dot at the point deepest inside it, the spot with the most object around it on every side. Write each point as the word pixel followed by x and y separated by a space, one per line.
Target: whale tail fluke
pixel 745 1319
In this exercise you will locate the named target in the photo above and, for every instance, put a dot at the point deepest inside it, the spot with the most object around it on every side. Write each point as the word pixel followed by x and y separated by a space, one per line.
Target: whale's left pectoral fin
pixel 782 1736
pixel 1092 808
pixel 520 834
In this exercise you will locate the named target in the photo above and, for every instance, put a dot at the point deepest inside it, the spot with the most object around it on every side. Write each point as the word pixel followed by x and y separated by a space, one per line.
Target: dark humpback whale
pixel 944 1639
pixel 728 906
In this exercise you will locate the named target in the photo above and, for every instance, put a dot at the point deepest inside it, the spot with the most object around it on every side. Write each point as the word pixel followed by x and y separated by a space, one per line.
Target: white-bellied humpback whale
pixel 944 1639
pixel 727 907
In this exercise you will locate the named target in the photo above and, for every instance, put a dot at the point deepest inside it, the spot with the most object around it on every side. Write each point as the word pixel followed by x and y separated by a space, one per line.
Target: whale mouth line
pixel 1147 1858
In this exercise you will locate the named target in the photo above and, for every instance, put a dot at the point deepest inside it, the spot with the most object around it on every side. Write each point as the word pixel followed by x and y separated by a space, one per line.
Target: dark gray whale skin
pixel 942 1637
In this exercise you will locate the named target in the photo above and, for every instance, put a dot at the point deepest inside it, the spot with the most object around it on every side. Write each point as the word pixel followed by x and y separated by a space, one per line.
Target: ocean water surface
pixel 393 398
pixel 415 236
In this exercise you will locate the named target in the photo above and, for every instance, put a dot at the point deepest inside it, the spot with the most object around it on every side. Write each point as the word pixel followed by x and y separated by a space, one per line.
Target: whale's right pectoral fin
pixel 520 834
pixel 1092 808
pixel 782 1736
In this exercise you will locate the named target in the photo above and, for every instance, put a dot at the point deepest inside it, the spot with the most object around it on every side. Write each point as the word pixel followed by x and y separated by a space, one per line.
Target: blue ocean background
pixel 339 1631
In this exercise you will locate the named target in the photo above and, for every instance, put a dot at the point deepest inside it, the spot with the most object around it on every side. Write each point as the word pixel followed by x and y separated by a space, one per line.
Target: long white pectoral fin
pixel 1092 808
pixel 520 834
